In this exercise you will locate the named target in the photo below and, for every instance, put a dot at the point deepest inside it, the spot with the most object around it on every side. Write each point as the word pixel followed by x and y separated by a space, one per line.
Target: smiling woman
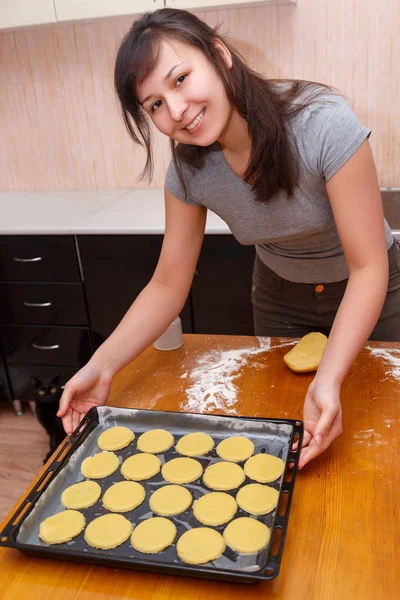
pixel 288 166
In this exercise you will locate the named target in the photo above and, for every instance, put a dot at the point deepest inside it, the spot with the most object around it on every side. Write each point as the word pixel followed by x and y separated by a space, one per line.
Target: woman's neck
pixel 235 138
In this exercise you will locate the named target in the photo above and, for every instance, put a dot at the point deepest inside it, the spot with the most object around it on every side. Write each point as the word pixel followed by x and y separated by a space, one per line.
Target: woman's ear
pixel 224 52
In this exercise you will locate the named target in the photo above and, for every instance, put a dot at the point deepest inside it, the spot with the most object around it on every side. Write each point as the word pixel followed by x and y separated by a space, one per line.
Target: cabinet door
pixel 38 258
pixel 115 270
pixel 188 4
pixel 70 10
pixel 68 346
pixel 45 303
pixel 221 290
pixel 16 13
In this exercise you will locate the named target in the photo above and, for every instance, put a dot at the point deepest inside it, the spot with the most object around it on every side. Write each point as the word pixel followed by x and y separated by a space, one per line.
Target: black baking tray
pixel 273 436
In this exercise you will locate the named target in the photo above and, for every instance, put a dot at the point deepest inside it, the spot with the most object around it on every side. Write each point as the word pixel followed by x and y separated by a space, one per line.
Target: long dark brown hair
pixel 266 107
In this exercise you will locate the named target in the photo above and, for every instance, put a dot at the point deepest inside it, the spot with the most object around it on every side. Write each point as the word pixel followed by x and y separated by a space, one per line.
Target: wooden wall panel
pixel 59 121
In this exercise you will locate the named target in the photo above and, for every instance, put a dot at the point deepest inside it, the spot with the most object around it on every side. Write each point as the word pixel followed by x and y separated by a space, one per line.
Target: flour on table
pixel 391 358
pixel 213 380
pixel 369 437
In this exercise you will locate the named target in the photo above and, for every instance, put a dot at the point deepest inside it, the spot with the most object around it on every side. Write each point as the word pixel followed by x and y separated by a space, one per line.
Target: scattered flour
pixel 391 357
pixel 369 437
pixel 212 381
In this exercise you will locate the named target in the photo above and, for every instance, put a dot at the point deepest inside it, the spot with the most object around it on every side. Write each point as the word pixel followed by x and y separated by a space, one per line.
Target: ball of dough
pixel 307 353
pixel 170 500
pixel 182 470
pixel 215 508
pixel 123 496
pixel 235 448
pixel 195 444
pixel 264 468
pixel 100 465
pixel 81 495
pixel 108 531
pixel 257 499
pixel 246 535
pixel 115 438
pixel 200 545
pixel 141 466
pixel 153 535
pixel 155 441
pixel 62 527
pixel 223 476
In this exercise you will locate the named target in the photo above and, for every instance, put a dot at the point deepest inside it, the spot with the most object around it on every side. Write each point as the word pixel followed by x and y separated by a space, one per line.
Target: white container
pixel 172 338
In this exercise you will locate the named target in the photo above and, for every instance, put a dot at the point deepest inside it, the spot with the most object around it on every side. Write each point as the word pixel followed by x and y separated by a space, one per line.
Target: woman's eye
pixel 156 105
pixel 180 79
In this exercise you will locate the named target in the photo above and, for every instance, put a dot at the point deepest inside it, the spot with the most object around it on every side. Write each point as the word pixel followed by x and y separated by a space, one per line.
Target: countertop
pixel 343 534
pixel 137 211
pixel 134 211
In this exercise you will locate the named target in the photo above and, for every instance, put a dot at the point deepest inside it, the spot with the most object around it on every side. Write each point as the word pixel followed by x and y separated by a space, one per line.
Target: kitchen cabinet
pixel 17 13
pixel 200 4
pixel 44 325
pixel 70 10
pixel 221 289
pixel 115 269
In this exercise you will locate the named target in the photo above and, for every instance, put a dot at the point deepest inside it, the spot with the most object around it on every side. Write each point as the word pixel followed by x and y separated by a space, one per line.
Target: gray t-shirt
pixel 295 237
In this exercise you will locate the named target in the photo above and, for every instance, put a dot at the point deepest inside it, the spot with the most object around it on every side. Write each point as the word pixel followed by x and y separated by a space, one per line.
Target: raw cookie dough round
pixel 307 353
pixel 264 468
pixel 155 441
pixel 108 531
pixel 81 495
pixel 235 448
pixel 62 527
pixel 257 499
pixel 140 466
pixel 123 496
pixel 246 535
pixel 200 545
pixel 182 470
pixel 215 508
pixel 223 476
pixel 170 500
pixel 100 465
pixel 195 444
pixel 153 535
pixel 115 438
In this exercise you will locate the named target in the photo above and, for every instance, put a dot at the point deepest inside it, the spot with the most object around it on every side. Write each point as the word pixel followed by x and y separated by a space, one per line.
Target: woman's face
pixel 185 97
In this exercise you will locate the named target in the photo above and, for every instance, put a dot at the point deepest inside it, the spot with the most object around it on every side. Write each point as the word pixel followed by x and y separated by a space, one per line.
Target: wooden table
pixel 343 537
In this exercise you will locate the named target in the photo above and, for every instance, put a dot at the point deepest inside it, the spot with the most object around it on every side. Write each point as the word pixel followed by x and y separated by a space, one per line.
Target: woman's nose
pixel 177 108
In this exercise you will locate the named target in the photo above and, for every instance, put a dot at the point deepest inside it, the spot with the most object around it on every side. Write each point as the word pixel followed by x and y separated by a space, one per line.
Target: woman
pixel 288 166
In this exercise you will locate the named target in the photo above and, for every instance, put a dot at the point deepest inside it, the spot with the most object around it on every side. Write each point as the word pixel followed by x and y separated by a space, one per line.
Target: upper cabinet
pixel 71 10
pixel 192 4
pixel 17 13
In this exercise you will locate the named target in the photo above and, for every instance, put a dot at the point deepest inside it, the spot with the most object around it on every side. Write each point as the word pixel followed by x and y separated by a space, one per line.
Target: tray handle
pixel 281 520
pixel 67 448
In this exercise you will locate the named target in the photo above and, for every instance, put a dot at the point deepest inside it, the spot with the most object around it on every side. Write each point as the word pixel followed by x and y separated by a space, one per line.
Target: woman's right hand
pixel 87 388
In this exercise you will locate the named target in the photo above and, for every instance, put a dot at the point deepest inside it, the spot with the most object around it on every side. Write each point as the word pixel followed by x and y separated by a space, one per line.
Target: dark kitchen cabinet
pixel 116 268
pixel 44 326
pixel 62 296
pixel 221 289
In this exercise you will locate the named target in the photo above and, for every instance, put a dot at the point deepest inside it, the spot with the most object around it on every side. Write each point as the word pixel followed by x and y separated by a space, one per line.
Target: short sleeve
pixel 330 134
pixel 175 187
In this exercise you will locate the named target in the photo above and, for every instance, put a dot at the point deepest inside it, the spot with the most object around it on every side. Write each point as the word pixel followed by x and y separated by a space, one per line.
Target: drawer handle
pixel 54 347
pixel 37 304
pixel 36 259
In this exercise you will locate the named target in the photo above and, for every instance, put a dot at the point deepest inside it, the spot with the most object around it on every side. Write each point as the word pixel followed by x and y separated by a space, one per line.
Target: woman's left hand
pixel 322 420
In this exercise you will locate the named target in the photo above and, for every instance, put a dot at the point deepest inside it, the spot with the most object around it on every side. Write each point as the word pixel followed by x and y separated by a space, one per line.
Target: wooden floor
pixel 23 446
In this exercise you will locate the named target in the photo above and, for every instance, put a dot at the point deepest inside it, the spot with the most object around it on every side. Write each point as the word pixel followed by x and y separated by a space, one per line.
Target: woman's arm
pixel 148 317
pixel 357 207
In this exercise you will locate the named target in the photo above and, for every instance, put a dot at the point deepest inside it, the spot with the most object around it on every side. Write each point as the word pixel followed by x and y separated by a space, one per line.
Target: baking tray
pixel 273 436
